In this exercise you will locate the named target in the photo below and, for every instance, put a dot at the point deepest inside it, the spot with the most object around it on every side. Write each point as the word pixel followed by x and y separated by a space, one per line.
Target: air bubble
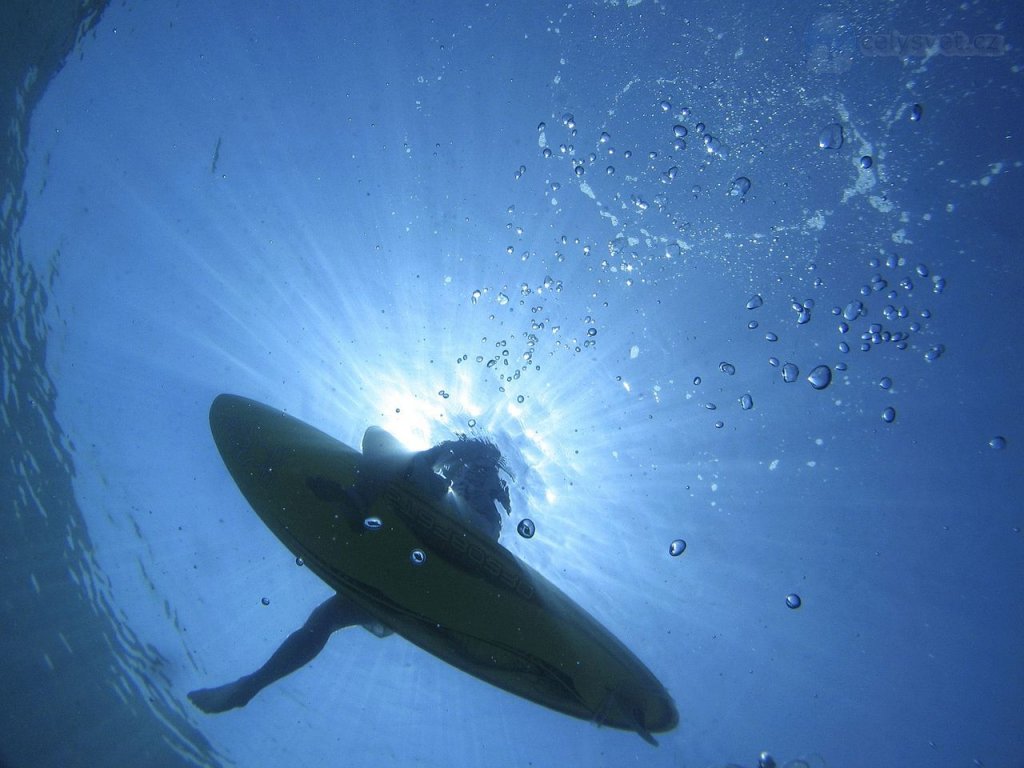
pixel 372 524
pixel 526 528
pixel 866 162
pixel 820 377
pixel 997 443
pixel 793 600
pixel 889 415
pixel 265 600
pixel 885 382
pixel 677 547
pixel 853 310
pixel 739 187
pixel 831 137
pixel 727 368
pixel 746 402
pixel 790 373
pixel 417 557
pixel 755 301
pixel 300 562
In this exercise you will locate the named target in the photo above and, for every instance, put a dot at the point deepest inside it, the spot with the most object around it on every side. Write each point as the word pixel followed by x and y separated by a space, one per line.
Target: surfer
pixel 460 475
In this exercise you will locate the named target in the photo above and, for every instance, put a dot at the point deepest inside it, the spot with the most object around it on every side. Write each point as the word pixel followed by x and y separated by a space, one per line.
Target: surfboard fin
pixel 612 702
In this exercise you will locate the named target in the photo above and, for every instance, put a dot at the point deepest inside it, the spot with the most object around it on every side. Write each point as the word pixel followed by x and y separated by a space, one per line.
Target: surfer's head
pixel 473 467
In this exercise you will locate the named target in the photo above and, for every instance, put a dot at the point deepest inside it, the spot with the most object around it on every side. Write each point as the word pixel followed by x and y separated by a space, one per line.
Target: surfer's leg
pixel 298 649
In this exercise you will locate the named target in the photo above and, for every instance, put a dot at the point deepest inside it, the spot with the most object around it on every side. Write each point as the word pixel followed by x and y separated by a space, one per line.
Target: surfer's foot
pixel 223 698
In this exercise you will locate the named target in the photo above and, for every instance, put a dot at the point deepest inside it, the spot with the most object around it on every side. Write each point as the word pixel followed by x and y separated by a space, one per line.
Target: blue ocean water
pixel 620 239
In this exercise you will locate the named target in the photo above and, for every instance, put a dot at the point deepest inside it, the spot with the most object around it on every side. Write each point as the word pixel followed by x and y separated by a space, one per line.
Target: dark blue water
pixel 543 224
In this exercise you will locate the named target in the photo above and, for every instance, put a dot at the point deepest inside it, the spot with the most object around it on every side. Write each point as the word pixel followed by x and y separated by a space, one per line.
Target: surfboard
pixel 374 537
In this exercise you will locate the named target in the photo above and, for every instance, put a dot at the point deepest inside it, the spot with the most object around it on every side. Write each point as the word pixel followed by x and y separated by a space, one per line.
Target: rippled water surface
pixel 733 288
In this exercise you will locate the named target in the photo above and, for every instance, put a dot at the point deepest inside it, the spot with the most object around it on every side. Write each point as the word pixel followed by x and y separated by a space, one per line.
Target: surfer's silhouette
pixel 461 475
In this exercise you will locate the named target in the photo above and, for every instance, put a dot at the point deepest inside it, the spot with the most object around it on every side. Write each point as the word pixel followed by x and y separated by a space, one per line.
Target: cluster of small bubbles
pixel 372 523
pixel 520 171
pixel 793 600
pixel 502 299
pixel 820 377
pixel 443 394
pixel 677 547
pixel 739 186
pixel 755 301
pixel 475 296
pixel 790 373
pixel 299 562
pixel 569 121
pixel 889 415
pixel 916 112
pixel 934 353
pixel 265 600
pixel 746 402
pixel 885 382
pixel 526 528
pixel 997 443
pixel 831 136
pixel 803 311
pixel 417 557
pixel 878 283
pixel 727 368
pixel 866 162
pixel 938 284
